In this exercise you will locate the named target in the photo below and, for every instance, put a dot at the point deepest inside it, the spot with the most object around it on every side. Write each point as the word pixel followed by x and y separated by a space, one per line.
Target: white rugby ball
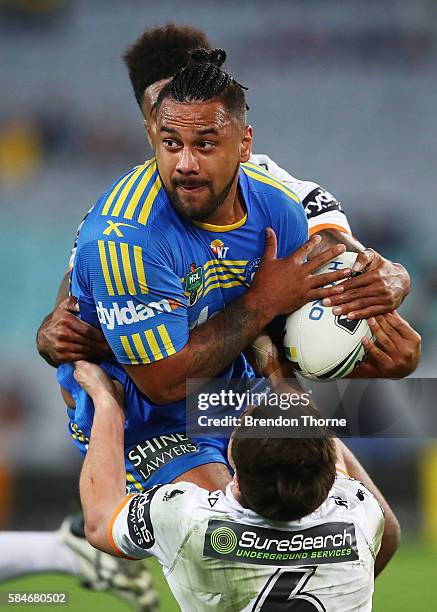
pixel 321 345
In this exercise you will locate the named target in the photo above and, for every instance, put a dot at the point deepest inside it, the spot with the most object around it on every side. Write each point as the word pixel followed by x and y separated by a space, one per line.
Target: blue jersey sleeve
pixel 132 292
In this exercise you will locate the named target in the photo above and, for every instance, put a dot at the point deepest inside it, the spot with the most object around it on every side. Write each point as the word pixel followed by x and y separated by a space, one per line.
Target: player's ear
pixel 236 484
pixel 246 144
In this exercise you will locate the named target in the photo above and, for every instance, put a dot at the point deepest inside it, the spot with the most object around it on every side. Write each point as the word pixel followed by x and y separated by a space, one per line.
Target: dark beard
pixel 213 203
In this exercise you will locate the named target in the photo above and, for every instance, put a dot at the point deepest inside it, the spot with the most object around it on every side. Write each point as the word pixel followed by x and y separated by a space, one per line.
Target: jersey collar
pixel 244 189
pixel 235 505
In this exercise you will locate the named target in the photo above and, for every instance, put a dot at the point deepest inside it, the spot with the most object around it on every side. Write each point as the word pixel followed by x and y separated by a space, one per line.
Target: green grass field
pixel 407 585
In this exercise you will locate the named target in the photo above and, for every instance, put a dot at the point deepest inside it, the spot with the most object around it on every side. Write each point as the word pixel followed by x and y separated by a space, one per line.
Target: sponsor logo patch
pixel 115 227
pixel 219 249
pixel 138 519
pixel 320 201
pixel 171 494
pixel 132 313
pixel 149 456
pixel 327 543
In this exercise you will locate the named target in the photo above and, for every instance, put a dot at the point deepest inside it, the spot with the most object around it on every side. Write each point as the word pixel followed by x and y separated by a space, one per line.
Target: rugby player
pixel 289 528
pixel 151 61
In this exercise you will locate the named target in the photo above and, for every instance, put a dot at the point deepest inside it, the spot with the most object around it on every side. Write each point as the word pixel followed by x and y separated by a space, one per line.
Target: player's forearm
pixel 41 343
pixel 102 480
pixel 64 289
pixel 331 237
pixel 392 531
pixel 210 349
pixel 229 332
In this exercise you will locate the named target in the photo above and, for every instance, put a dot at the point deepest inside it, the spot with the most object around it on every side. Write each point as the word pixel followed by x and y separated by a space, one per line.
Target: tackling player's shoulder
pixel 179 494
pixel 276 204
pixel 353 500
pixel 267 163
pixel 316 200
pixel 302 188
pixel 353 489
pixel 262 181
pixel 187 496
pixel 189 502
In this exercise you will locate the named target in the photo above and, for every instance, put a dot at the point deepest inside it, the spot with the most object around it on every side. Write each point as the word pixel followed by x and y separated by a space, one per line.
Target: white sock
pixel 29 552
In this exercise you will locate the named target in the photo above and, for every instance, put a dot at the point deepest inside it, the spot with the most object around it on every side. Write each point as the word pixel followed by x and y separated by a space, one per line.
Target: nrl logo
pixel 194 283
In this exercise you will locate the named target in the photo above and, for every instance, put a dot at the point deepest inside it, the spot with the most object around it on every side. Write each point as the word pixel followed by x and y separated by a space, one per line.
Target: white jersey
pixel 321 207
pixel 219 556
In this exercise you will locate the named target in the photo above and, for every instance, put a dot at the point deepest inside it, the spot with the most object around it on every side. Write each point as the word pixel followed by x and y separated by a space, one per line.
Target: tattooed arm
pixel 211 347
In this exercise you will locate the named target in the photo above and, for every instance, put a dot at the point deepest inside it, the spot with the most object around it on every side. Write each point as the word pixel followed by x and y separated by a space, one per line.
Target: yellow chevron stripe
pixel 127 347
pixel 136 196
pixel 116 268
pixel 139 266
pixel 154 347
pixel 227 285
pixel 136 484
pixel 162 330
pixel 269 181
pixel 127 268
pixel 114 192
pixel 123 195
pixel 223 270
pixel 151 197
pixel 225 263
pixel 141 350
pixel 105 268
pixel 224 277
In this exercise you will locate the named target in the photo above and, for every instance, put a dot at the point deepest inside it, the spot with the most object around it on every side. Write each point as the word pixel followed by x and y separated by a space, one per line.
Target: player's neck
pixel 232 210
pixel 235 493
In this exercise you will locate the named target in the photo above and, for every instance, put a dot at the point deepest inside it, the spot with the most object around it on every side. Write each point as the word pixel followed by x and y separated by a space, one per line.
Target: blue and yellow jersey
pixel 147 276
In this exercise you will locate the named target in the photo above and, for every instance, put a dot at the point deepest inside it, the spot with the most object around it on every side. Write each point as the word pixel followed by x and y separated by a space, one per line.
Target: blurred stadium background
pixel 344 93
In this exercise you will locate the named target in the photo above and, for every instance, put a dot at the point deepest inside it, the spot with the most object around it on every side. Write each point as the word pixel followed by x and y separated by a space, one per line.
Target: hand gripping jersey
pixel 147 276
pixel 321 208
pixel 219 556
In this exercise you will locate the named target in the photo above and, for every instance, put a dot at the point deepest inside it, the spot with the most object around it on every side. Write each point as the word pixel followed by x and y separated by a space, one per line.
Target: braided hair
pixel 203 79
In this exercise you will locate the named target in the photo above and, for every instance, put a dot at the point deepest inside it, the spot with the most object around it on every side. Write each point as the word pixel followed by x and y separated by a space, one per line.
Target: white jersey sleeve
pixel 368 514
pixel 322 209
pixel 154 522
